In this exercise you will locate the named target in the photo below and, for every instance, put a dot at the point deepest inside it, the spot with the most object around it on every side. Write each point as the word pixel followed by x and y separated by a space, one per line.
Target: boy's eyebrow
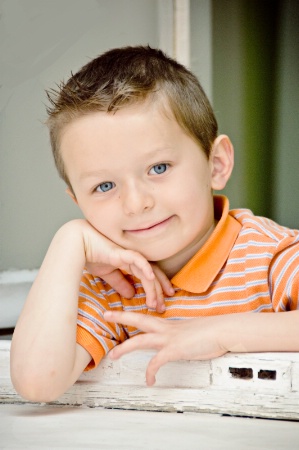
pixel 91 174
pixel 97 173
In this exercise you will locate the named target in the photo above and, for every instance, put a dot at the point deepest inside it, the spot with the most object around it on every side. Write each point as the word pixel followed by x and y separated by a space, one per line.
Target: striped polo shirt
pixel 249 263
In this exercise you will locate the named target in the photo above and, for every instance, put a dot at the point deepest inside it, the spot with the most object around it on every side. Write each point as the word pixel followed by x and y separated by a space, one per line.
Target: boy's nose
pixel 137 199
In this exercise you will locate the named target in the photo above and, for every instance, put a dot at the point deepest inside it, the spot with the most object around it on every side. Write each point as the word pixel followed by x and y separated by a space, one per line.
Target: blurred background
pixel 244 52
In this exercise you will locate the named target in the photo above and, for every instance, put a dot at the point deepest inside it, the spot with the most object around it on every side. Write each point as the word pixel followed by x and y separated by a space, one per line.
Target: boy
pixel 135 139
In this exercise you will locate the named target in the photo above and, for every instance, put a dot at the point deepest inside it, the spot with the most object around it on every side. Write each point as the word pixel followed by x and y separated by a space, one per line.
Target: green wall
pixel 255 96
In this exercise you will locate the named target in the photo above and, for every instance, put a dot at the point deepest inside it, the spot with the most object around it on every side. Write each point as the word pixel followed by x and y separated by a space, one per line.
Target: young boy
pixel 135 139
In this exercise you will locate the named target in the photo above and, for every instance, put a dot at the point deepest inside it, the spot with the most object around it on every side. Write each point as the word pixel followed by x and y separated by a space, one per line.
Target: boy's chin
pixel 157 256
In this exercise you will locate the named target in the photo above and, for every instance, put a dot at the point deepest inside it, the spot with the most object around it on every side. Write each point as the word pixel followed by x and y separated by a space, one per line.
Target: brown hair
pixel 128 75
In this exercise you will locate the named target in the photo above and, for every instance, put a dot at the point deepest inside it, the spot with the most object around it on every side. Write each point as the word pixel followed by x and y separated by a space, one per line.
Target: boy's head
pixel 136 140
pixel 127 76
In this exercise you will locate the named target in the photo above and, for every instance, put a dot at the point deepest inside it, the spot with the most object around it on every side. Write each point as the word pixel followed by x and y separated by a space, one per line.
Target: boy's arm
pixel 45 359
pixel 207 337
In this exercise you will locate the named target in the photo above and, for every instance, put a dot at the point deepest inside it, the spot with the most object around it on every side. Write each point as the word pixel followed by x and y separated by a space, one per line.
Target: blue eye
pixel 159 168
pixel 104 187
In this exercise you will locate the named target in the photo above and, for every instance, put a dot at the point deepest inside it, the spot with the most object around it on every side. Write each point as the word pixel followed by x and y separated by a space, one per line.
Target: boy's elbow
pixel 36 388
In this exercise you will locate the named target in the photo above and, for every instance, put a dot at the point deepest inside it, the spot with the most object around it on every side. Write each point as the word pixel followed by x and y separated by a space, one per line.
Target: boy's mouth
pixel 155 226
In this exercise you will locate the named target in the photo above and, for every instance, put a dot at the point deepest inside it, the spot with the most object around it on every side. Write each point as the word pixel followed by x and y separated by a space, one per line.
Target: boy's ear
pixel 71 194
pixel 222 161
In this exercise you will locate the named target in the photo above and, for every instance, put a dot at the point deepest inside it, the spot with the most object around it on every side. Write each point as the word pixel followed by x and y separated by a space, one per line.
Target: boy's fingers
pixel 140 342
pixel 152 288
pixel 155 287
pixel 154 281
pixel 142 269
pixel 153 366
pixel 117 281
pixel 165 283
pixel 157 301
pixel 163 286
pixel 134 259
pixel 140 321
pixel 135 264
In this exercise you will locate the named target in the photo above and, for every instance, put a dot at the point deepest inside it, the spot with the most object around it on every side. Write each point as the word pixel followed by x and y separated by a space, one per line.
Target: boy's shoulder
pixel 263 226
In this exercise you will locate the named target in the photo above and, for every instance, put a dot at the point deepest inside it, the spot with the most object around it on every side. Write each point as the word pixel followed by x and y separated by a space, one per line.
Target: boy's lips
pixel 147 228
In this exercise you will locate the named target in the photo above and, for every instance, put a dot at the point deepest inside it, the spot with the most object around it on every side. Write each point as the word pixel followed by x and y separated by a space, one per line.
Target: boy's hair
pixel 128 75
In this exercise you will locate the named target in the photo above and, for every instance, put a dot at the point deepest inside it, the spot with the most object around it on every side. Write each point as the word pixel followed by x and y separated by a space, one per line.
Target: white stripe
pixel 283 270
pixel 290 283
pixel 253 243
pixel 266 231
pixel 136 307
pixel 219 304
pixel 96 302
pixel 100 295
pixel 97 336
pixel 241 274
pixel 98 323
pixel 250 256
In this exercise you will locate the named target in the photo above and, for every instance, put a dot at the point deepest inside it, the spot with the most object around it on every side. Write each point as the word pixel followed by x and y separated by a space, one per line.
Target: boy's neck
pixel 171 266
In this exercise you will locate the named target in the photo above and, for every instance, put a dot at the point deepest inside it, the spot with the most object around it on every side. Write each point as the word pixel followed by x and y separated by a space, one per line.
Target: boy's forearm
pixel 260 332
pixel 44 342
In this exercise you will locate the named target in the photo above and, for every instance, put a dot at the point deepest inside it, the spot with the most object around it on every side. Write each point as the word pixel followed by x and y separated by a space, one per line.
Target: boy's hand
pixel 106 259
pixel 191 339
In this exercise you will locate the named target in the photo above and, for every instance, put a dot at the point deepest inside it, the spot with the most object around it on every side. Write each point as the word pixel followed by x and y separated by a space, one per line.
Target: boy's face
pixel 140 180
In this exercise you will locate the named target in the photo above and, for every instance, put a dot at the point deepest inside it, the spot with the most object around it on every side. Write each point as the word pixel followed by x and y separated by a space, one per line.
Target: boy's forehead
pixel 146 127
pixel 149 115
pixel 149 105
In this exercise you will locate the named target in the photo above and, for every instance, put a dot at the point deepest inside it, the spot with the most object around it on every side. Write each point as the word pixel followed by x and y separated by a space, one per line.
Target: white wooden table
pixel 111 407
pixel 257 385
pixel 24 426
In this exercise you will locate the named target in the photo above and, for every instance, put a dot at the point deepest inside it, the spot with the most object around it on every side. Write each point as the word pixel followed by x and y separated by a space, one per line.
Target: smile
pixel 157 226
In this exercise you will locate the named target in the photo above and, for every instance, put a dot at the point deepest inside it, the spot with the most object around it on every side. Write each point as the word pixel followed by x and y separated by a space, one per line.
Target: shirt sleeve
pixel 284 279
pixel 93 333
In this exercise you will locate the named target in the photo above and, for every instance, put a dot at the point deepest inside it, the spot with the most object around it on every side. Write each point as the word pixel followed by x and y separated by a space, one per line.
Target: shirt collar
pixel 200 271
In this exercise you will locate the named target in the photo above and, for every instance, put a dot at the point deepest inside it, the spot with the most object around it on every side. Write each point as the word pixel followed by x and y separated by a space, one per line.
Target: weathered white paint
pixel 184 386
